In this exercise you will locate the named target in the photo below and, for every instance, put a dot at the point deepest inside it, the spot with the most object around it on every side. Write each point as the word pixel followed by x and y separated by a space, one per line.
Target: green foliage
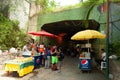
pixel 86 23
pixel 42 3
pixel 10 34
pixel 116 48
pixel 46 5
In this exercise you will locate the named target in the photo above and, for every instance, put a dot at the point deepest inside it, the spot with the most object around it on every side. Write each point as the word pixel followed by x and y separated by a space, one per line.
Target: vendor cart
pixel 37 59
pixel 20 65
pixel 84 60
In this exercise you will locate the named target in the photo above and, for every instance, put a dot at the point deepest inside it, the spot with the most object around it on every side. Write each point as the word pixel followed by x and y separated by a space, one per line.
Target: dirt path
pixel 70 71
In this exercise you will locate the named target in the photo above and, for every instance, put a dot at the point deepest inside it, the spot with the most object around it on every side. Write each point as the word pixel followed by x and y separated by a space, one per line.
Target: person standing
pixel 54 58
pixel 60 59
pixel 42 52
pixel 47 60
pixel 26 50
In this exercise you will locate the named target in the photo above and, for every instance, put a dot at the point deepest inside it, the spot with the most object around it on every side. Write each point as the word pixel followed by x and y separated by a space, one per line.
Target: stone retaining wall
pixel 5 57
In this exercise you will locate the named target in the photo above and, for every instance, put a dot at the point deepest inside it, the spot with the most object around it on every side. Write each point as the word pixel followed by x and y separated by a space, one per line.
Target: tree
pixel 11 35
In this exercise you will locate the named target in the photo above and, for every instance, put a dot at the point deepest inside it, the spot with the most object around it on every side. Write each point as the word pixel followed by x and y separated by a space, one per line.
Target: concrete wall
pixel 33 16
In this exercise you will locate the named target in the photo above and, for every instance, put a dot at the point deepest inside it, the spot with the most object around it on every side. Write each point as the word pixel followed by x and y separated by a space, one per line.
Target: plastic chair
pixel 103 65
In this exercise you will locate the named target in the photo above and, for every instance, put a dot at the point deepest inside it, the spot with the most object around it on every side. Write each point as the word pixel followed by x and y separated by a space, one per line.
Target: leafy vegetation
pixel 81 4
pixel 10 34
pixel 116 48
pixel 47 6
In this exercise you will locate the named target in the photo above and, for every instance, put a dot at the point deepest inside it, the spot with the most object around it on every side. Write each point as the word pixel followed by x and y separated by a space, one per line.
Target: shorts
pixel 54 59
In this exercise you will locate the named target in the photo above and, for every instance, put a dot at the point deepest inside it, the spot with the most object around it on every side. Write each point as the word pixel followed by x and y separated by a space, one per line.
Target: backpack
pixel 62 55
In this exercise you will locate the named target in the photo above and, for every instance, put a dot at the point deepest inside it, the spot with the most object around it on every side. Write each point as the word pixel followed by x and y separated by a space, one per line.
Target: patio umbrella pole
pixel 88 47
pixel 41 39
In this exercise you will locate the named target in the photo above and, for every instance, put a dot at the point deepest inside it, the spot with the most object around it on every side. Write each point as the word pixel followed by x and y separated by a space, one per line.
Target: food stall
pixel 85 59
pixel 21 65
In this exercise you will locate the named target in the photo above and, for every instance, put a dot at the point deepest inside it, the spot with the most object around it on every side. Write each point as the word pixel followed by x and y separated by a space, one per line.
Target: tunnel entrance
pixel 70 27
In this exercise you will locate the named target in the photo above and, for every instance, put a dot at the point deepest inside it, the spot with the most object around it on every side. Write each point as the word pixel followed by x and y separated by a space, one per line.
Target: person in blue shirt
pixel 47 60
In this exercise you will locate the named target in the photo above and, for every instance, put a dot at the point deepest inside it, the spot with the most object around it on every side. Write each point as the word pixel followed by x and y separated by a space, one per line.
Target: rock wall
pixel 24 11
pixel 5 57
pixel 19 10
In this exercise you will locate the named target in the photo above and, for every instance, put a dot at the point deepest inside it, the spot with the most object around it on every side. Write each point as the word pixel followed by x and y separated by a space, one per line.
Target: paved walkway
pixel 69 71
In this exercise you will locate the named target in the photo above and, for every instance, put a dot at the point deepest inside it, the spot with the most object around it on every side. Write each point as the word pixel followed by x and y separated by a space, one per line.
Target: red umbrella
pixel 42 33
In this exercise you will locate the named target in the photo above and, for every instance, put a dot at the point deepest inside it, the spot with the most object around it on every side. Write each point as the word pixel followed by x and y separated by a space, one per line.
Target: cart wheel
pixel 82 71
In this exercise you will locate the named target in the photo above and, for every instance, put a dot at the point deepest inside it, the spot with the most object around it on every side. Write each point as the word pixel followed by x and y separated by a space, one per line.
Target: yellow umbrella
pixel 87 34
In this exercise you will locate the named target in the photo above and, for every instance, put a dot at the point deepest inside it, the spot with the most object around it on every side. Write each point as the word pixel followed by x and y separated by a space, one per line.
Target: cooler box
pixel 37 60
pixel 85 64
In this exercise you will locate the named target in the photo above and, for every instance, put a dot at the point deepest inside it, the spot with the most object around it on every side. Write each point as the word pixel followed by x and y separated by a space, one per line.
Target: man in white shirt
pixel 102 58
pixel 26 50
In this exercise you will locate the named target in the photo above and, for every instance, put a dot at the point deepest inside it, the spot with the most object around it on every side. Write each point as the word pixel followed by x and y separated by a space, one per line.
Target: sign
pixel 85 64
pixel 88 45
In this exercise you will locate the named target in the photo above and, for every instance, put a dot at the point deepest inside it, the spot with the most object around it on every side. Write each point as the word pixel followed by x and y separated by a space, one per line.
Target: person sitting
pixel 102 58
